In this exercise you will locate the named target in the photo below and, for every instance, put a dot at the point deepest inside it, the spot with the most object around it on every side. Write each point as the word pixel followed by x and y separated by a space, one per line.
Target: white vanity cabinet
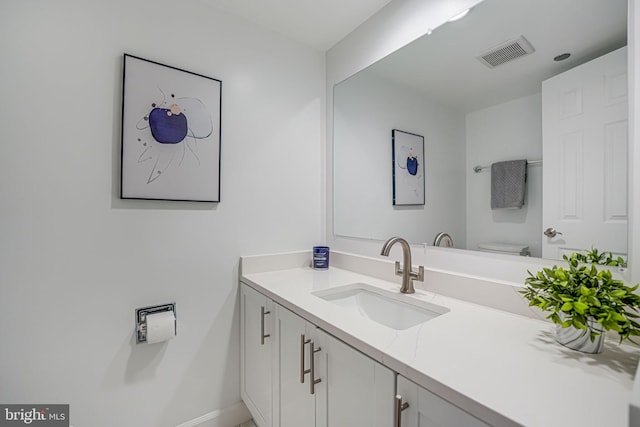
pixel 362 365
pixel 324 382
pixel 310 378
pixel 425 409
pixel 256 354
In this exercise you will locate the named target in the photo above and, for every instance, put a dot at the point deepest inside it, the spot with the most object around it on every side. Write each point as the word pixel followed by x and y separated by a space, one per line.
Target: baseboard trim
pixel 227 417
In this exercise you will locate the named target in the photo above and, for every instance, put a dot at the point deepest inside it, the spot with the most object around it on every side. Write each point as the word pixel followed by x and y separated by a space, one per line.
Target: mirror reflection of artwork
pixel 170 133
pixel 408 168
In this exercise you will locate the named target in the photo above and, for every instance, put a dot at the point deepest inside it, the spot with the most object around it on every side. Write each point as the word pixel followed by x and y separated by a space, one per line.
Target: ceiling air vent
pixel 506 52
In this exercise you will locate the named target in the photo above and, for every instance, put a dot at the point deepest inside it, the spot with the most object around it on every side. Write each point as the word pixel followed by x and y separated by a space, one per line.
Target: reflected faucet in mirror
pixel 408 275
pixel 442 236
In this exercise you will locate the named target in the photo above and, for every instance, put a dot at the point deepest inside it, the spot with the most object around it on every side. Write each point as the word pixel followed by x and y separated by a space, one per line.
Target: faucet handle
pixel 419 276
pixel 398 269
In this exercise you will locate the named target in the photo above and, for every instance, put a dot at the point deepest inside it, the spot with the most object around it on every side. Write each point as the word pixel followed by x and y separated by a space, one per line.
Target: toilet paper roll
pixel 160 327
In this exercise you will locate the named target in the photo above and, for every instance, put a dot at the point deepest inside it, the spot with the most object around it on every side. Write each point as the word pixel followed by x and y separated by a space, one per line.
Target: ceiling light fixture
pixel 562 57
pixel 460 15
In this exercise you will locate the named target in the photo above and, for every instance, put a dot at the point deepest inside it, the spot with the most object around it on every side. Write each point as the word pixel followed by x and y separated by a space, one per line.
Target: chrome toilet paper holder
pixel 141 319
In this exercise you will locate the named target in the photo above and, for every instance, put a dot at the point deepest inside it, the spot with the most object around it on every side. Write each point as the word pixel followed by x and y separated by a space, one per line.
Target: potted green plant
pixel 584 301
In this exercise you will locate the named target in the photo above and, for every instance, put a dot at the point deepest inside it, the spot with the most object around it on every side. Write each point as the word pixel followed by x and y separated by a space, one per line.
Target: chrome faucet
pixel 408 276
pixel 443 236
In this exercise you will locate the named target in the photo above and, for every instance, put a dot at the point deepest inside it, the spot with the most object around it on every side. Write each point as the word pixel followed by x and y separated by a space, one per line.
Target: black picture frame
pixel 408 168
pixel 171 133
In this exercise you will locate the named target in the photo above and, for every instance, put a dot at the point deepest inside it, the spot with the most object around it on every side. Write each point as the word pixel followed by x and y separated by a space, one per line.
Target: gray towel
pixel 508 184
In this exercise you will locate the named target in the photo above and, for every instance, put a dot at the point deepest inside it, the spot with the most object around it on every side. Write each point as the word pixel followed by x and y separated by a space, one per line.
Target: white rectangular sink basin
pixel 394 310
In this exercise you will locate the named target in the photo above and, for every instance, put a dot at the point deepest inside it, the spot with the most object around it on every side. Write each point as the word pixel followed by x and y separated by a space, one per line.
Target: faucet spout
pixel 448 241
pixel 408 276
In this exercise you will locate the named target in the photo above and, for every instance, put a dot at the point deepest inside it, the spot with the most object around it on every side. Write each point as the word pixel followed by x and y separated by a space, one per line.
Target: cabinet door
pixel 359 390
pixel 295 405
pixel 428 410
pixel 256 354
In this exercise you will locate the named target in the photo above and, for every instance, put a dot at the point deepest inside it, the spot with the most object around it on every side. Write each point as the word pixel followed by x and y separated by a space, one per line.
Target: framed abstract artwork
pixel 408 168
pixel 170 133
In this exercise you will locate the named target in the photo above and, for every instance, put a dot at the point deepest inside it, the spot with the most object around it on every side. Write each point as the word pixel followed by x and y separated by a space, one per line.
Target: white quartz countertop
pixel 503 368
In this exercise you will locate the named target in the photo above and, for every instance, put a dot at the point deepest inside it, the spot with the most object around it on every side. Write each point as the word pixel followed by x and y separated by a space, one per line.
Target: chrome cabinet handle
pixel 303 372
pixel 262 334
pixel 400 406
pixel 550 232
pixel 312 367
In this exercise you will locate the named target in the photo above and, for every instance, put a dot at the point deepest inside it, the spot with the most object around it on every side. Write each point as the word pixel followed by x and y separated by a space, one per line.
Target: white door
pixel 584 118
pixel 256 382
pixel 295 405
pixel 425 409
pixel 359 390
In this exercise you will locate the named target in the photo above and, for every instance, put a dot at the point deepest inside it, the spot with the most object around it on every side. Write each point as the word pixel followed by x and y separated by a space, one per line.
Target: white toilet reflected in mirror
pixel 504 248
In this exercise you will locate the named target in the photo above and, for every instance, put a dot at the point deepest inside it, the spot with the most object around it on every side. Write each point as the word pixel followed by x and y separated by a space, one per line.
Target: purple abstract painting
pixel 170 133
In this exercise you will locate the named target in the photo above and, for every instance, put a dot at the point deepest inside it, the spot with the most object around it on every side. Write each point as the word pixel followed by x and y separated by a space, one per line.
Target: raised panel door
pixel 585 140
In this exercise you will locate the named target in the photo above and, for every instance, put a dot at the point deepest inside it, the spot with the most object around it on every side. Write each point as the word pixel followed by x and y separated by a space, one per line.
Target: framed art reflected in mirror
pixel 408 168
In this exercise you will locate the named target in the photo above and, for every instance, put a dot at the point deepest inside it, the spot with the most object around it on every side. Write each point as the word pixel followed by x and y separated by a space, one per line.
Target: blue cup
pixel 320 257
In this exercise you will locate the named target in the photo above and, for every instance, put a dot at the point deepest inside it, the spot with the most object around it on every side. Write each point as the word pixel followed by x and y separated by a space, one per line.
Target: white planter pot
pixel 579 339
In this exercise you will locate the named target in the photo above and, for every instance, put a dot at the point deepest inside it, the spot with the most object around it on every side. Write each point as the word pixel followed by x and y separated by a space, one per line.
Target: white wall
pixel 508 131
pixel 367 108
pixel 75 260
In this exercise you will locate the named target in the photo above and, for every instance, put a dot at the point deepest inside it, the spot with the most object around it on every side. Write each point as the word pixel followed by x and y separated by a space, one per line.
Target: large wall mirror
pixel 472 115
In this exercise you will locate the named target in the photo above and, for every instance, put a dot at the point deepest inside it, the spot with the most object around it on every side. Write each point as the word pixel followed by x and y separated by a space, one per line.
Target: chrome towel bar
pixel 477 169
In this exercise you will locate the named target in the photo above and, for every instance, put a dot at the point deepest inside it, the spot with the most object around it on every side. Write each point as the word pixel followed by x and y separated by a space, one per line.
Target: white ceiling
pixel 444 66
pixel 316 23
